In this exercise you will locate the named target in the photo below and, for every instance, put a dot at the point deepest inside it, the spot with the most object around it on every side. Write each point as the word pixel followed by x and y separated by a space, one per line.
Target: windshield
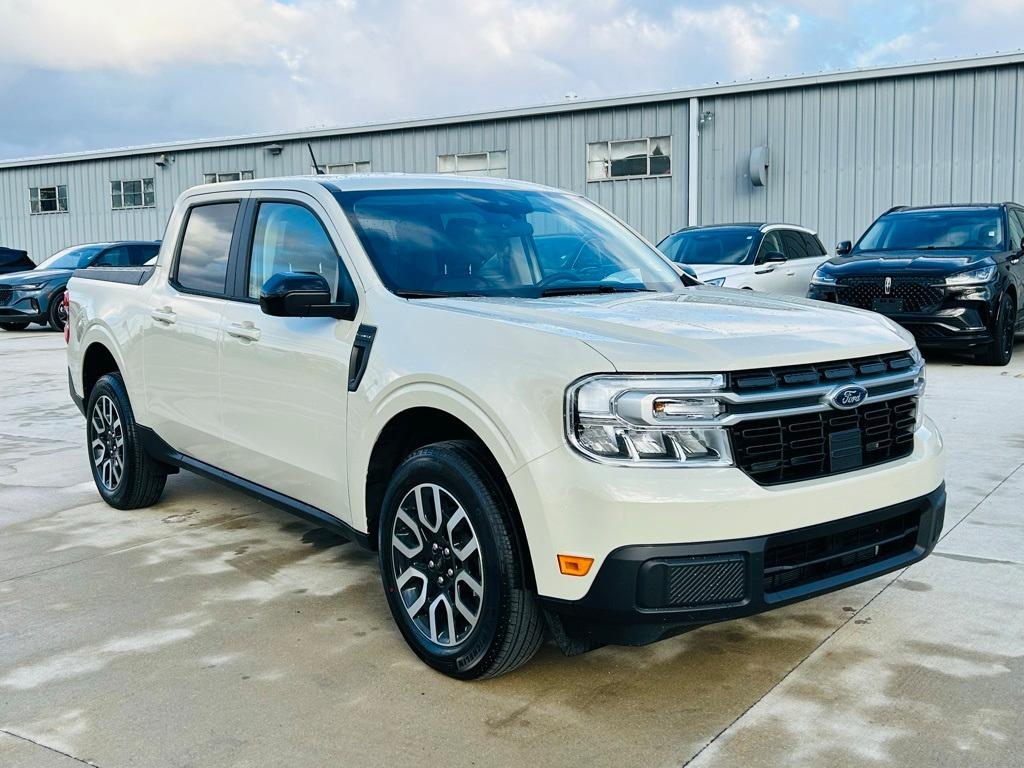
pixel 721 245
pixel 74 257
pixel 500 242
pixel 945 229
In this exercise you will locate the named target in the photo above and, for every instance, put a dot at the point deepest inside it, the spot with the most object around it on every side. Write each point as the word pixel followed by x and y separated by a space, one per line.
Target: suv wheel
pixel 58 313
pixel 125 475
pixel 451 570
pixel 1000 349
pixel 14 326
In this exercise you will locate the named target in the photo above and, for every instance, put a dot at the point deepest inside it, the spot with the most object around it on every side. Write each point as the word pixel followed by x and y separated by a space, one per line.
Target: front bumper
pixel 645 593
pixel 24 306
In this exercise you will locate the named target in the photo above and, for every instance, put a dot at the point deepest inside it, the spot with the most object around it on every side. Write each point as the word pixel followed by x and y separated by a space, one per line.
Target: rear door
pixel 284 380
pixel 805 253
pixel 181 338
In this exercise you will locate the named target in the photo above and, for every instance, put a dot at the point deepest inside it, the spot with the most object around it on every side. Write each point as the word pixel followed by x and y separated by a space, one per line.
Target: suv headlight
pixel 649 420
pixel 715 281
pixel 973 277
pixel 821 277
pixel 29 286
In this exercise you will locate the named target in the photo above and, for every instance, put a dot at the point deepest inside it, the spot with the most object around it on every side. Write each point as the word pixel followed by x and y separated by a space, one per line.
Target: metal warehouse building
pixel 829 151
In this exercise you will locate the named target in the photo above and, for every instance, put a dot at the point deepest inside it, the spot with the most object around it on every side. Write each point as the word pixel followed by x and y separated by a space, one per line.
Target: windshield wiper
pixel 573 290
pixel 432 294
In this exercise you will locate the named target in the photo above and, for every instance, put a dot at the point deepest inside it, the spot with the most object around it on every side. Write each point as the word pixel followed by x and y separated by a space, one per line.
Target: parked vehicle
pixel 13 260
pixel 777 258
pixel 950 274
pixel 35 296
pixel 601 449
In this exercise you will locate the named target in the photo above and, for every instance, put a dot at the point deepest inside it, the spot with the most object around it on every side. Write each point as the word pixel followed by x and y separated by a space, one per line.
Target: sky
pixel 107 73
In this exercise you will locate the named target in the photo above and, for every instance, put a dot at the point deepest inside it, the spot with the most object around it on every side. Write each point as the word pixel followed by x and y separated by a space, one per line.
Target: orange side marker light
pixel 574 565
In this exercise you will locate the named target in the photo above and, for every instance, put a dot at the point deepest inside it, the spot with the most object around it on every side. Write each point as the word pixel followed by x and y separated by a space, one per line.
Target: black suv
pixel 952 275
pixel 36 295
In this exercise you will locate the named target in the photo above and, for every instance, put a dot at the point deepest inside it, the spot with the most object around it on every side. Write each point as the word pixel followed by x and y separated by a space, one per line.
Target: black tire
pixel 509 625
pixel 1000 350
pixel 141 479
pixel 56 313
pixel 14 326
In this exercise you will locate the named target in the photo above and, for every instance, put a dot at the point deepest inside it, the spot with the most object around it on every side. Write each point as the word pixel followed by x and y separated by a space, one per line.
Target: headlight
pixel 648 420
pixel 716 281
pixel 921 383
pixel 29 286
pixel 973 277
pixel 821 277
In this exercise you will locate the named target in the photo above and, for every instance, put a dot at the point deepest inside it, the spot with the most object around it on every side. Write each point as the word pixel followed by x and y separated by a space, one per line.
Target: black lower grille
pixel 5 296
pixel 905 294
pixel 693 582
pixel 792 448
pixel 793 562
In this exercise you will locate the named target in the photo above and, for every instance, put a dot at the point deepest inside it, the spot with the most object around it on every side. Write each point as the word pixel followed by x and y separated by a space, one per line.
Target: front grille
pixel 791 561
pixel 5 296
pixel 912 295
pixel 790 377
pixel 693 582
pixel 791 448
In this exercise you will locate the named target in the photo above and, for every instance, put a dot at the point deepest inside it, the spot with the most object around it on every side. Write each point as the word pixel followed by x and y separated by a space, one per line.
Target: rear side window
pixel 203 258
pixel 289 238
pixel 140 254
pixel 801 245
pixel 113 257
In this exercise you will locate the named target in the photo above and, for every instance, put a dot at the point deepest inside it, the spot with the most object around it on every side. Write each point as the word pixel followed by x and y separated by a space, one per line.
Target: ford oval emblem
pixel 848 397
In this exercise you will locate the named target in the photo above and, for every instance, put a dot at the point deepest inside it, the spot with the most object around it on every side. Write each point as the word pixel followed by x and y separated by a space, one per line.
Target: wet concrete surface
pixel 212 630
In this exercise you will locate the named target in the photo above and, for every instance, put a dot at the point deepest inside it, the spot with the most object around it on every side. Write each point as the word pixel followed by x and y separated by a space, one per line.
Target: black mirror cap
pixel 843 247
pixel 301 294
pixel 774 257
pixel 687 274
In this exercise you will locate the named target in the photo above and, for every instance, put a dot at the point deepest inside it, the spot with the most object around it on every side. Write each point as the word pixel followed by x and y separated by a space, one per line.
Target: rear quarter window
pixel 203 255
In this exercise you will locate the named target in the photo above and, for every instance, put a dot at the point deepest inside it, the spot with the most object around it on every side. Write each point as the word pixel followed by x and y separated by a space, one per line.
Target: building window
pixel 475 163
pixel 137 193
pixel 213 178
pixel 625 159
pixel 344 169
pixel 48 199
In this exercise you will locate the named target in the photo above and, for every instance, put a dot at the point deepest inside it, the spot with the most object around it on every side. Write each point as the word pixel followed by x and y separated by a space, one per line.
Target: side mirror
pixel 774 257
pixel 686 273
pixel 843 247
pixel 301 294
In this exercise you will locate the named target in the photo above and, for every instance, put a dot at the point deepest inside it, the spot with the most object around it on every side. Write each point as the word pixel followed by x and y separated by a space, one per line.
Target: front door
pixel 772 277
pixel 284 380
pixel 180 338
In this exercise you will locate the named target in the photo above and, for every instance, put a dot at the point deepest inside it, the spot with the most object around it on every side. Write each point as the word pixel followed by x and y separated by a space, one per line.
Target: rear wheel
pixel 14 326
pixel 125 475
pixel 58 313
pixel 1000 350
pixel 450 565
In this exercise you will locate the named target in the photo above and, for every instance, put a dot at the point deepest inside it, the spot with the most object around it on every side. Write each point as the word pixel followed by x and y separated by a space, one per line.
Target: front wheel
pixel 58 313
pixel 1000 350
pixel 451 569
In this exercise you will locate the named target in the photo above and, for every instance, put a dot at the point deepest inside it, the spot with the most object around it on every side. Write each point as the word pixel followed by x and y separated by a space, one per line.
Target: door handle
pixel 246 331
pixel 164 315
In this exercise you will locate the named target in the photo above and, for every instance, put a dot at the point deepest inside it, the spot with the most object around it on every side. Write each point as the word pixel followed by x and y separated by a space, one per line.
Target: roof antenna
pixel 316 166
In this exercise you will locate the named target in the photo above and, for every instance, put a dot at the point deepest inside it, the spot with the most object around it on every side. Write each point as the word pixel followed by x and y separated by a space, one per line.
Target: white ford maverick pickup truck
pixel 542 428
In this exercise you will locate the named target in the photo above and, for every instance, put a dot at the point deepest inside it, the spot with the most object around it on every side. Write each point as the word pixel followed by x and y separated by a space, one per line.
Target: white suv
pixel 518 402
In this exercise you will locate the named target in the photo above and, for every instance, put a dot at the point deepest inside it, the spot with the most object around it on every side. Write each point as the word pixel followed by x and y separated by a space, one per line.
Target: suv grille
pixel 791 448
pixel 915 294
pixel 793 562
pixel 5 296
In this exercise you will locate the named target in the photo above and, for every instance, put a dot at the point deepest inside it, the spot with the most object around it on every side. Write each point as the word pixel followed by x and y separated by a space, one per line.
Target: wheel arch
pixel 97 361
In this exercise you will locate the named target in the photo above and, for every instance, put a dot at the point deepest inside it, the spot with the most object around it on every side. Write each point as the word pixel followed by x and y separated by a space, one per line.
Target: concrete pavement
pixel 211 630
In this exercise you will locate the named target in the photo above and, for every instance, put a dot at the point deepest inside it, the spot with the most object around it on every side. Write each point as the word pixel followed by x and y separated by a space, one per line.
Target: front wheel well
pixel 96 363
pixel 416 428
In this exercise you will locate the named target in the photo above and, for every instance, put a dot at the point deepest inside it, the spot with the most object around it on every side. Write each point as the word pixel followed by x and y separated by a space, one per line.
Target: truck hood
pixel 907 262
pixel 701 329
pixel 33 276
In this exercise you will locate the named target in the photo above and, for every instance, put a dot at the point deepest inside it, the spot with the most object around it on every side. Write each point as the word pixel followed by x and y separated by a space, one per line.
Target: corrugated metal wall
pixel 548 149
pixel 841 154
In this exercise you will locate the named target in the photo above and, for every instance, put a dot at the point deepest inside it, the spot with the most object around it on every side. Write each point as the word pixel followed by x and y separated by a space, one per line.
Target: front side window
pixel 718 245
pixel 498 242
pixel 343 169
pixel 935 229
pixel 624 159
pixel 1016 229
pixel 290 238
pixel 48 199
pixel 203 258
pixel 136 193
pixel 772 243
pixel 113 257
pixel 214 178
pixel 494 163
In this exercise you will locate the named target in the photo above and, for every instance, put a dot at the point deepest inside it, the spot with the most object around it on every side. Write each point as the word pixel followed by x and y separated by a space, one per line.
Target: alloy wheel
pixel 1009 332
pixel 437 565
pixel 107 442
